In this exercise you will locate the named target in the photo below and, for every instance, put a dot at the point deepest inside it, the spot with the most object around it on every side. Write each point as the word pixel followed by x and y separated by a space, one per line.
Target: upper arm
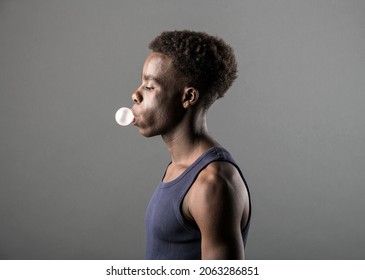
pixel 216 204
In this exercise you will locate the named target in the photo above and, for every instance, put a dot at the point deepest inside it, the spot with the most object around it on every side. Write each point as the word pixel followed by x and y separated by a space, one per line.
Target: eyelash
pixel 149 88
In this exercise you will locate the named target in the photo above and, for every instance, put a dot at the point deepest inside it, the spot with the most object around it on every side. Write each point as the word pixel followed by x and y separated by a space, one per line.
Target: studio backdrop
pixel 75 185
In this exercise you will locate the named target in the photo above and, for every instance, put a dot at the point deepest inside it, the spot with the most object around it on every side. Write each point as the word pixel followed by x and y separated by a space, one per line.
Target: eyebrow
pixel 151 78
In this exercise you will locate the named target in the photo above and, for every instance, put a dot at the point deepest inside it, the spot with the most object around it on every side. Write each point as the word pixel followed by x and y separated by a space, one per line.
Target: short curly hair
pixel 207 62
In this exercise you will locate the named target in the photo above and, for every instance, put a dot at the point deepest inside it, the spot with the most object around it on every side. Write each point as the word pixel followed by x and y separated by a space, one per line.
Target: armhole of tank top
pixel 244 229
pixel 188 225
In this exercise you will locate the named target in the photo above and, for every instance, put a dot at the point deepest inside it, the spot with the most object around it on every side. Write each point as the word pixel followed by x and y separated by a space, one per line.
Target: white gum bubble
pixel 124 116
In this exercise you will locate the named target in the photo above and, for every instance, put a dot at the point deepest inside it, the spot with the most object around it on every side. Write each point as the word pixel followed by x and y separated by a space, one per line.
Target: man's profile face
pixel 158 100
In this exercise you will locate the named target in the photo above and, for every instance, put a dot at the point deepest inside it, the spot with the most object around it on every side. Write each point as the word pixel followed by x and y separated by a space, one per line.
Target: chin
pixel 148 133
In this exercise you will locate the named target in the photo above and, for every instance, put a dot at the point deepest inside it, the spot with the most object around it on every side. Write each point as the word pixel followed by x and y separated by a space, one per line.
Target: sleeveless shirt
pixel 169 235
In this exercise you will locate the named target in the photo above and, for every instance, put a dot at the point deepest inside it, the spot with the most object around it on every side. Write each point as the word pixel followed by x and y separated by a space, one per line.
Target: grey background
pixel 74 184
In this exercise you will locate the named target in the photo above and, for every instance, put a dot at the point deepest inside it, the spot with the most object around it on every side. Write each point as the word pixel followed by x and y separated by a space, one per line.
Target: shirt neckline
pixel 177 179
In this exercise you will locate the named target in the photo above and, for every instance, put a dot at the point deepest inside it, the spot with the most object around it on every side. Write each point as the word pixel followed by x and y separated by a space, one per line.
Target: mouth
pixel 134 121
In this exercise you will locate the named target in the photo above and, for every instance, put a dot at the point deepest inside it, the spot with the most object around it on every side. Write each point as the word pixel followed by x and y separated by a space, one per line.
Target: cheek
pixel 152 122
pixel 158 115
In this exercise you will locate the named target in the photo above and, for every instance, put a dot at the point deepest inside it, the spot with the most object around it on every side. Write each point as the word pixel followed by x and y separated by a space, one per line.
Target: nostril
pixel 136 97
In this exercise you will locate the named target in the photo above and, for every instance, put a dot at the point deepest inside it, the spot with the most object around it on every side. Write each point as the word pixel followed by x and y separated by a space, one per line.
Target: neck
pixel 189 139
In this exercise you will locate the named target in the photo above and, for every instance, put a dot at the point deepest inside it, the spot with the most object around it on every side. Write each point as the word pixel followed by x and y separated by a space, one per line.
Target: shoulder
pixel 219 176
pixel 218 170
pixel 217 191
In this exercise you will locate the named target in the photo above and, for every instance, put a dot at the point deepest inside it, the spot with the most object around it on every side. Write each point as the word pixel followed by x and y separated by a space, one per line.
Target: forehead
pixel 157 65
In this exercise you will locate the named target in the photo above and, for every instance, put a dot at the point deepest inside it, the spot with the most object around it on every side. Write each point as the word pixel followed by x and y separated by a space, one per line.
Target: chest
pixel 164 219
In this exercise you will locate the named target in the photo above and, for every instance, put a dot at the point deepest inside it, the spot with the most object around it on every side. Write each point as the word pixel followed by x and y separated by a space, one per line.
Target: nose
pixel 137 96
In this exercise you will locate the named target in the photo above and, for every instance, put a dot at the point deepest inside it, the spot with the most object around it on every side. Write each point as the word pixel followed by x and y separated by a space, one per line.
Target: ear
pixel 190 97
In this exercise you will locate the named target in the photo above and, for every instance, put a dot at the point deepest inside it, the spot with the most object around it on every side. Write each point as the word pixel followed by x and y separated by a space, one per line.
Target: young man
pixel 201 207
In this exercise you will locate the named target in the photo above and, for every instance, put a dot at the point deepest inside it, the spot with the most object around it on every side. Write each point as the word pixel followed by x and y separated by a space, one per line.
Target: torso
pixel 200 209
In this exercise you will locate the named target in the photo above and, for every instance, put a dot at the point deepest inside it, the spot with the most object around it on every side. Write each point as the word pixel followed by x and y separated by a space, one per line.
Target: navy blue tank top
pixel 169 235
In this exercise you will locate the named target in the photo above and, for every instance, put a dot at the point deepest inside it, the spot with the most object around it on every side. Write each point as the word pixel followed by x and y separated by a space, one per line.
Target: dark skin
pixel 167 105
